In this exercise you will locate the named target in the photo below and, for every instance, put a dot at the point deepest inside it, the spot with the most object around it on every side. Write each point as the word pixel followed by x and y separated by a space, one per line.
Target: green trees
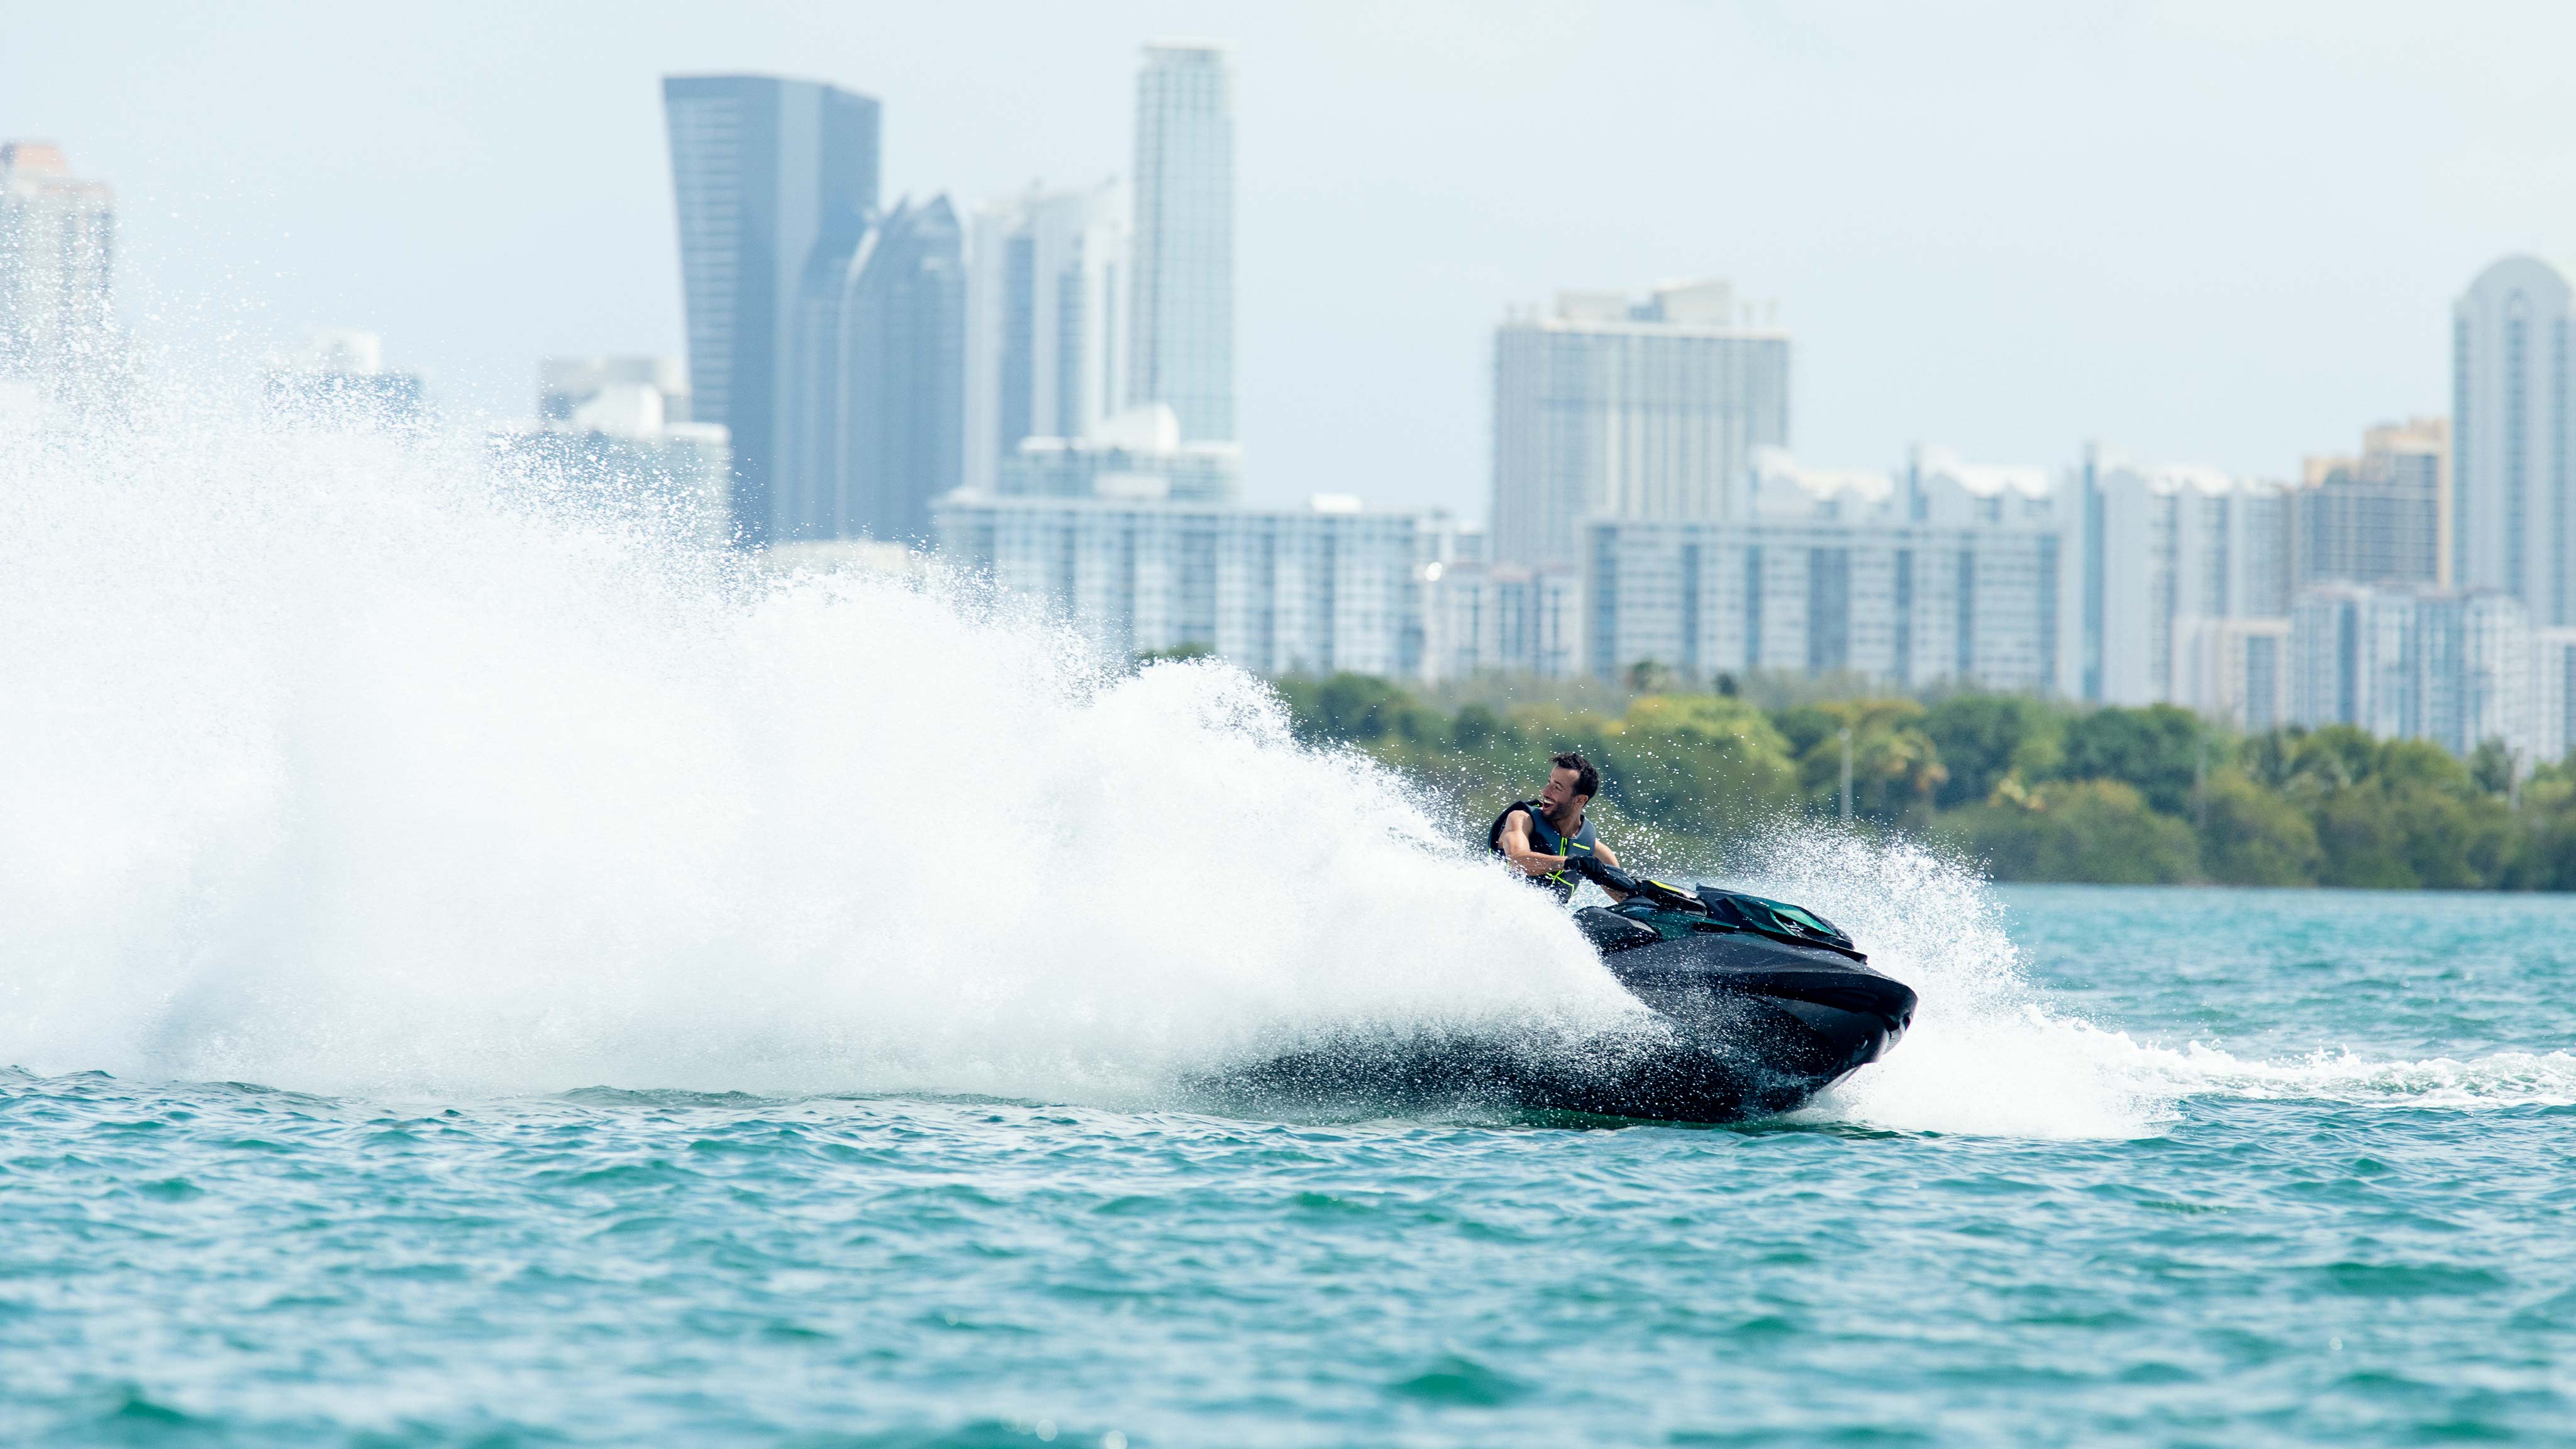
pixel 2156 750
pixel 2251 836
pixel 1983 738
pixel 1358 708
pixel 1697 763
pixel 2547 858
pixel 2037 789
pixel 1896 769
pixel 2081 830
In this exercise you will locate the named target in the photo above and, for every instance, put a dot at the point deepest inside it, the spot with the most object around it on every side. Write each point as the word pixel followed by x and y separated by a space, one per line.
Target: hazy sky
pixel 2222 233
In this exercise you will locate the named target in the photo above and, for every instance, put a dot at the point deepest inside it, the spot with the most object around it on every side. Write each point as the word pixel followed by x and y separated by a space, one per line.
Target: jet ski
pixel 1761 1005
pixel 1769 1003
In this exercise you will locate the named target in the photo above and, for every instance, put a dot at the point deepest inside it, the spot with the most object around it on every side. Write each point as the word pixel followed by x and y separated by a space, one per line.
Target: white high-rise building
pixel 1046 321
pixel 57 266
pixel 2553 695
pixel 2512 390
pixel 1181 338
pixel 1617 409
pixel 1501 618
pixel 1278 591
pixel 2416 663
pixel 2383 517
pixel 1946 572
pixel 2171 555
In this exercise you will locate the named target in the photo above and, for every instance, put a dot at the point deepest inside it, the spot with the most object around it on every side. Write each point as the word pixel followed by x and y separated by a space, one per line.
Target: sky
pixel 2224 233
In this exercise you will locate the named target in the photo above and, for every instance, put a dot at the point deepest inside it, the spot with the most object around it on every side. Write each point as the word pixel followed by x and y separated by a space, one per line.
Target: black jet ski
pixel 1763 1004
pixel 1769 1003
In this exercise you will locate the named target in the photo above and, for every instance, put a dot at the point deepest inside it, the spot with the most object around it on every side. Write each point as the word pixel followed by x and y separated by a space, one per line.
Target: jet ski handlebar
pixel 1731 910
pixel 1611 877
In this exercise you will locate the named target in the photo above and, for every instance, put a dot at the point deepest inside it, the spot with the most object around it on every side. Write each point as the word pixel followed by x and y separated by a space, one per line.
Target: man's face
pixel 1559 798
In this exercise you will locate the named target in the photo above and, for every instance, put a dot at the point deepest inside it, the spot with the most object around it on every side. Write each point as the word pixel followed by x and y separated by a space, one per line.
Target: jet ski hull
pixel 1759 1026
pixel 1754 1027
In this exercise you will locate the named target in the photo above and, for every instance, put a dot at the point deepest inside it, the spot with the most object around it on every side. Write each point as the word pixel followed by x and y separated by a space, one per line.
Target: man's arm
pixel 1515 841
pixel 1603 852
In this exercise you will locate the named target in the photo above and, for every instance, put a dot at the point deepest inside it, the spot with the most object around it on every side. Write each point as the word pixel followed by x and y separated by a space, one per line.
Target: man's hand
pixel 1602 854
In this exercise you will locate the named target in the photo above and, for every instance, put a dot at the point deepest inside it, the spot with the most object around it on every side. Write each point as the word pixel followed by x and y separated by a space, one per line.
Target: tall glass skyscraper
pixel 1046 321
pixel 877 419
pixel 1182 333
pixel 2513 520
pixel 769 173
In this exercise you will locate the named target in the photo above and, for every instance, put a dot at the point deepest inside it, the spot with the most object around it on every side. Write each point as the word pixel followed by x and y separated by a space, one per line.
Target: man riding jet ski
pixel 1546 836
pixel 1758 1005
pixel 1769 1003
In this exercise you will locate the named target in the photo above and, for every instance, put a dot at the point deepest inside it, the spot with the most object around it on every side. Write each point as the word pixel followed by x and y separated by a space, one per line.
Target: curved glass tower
pixel 768 173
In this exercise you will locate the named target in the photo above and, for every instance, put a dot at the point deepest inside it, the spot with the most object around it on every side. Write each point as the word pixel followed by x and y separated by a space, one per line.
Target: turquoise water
pixel 2220 1168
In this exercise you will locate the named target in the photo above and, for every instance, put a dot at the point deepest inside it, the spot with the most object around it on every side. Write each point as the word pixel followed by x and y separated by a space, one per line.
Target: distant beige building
pixel 57 261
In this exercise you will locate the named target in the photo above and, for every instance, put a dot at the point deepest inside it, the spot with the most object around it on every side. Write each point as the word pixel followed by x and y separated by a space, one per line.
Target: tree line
pixel 2034 789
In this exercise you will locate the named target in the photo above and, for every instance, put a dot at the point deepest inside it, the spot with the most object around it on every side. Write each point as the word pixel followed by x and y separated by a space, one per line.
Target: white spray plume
pixel 332 762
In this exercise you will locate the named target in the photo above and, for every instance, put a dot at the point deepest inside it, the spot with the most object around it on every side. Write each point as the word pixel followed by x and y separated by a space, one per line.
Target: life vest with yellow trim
pixel 1549 841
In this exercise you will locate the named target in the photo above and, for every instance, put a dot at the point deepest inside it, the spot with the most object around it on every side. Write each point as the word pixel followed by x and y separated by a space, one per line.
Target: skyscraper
pixel 2173 553
pixel 2417 663
pixel 2378 518
pixel 1643 410
pixel 1046 321
pixel 57 260
pixel 1182 333
pixel 772 176
pixel 2513 522
pixel 876 419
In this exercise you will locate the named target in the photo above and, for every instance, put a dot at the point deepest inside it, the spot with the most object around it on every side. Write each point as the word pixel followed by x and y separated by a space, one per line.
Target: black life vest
pixel 1549 841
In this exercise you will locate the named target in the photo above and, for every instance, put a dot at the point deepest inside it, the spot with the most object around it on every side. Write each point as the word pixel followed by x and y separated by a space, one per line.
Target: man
pixel 1544 835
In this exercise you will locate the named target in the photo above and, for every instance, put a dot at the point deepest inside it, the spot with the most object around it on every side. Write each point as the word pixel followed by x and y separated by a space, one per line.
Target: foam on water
pixel 333 763
pixel 1985 1054
pixel 1989 1055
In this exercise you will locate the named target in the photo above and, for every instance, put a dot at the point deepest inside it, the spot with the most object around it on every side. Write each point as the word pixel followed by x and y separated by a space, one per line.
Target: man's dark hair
pixel 1587 780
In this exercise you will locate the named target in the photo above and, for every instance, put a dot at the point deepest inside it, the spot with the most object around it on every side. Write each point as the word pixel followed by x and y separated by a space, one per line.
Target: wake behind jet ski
pixel 1759 1004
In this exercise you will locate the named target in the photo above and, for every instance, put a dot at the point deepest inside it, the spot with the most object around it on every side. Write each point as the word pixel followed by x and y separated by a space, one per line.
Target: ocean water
pixel 476 968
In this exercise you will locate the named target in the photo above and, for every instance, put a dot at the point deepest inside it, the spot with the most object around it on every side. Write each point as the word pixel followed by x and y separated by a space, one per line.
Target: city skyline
pixel 2244 345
